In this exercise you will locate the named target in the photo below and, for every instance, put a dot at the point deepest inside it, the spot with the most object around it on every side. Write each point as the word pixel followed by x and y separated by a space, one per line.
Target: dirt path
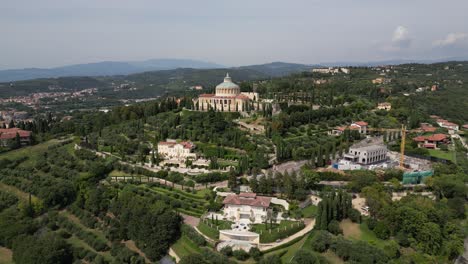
pixel 310 223
pixel 130 244
pixel 174 255
pixel 191 220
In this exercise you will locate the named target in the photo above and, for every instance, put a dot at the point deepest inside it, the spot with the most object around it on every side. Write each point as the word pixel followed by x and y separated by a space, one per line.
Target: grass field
pixel 29 151
pixel 211 231
pixel 23 196
pixel 184 247
pixel 6 256
pixel 292 250
pixel 437 153
pixel 360 232
pixel 309 211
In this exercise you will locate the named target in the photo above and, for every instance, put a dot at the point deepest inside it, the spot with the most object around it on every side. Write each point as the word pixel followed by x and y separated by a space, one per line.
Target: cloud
pixel 451 39
pixel 401 38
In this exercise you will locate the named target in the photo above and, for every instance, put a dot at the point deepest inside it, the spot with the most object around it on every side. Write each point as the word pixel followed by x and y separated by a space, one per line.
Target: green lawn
pixel 211 231
pixel 29 151
pixel 292 250
pixel 284 229
pixel 361 232
pixel 309 211
pixel 23 196
pixel 184 247
pixel 437 153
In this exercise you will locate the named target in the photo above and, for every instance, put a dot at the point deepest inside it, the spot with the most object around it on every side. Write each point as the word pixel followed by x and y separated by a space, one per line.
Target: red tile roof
pixel 9 133
pixel 419 138
pixel 206 95
pixel 435 137
pixel 242 199
pixel 361 123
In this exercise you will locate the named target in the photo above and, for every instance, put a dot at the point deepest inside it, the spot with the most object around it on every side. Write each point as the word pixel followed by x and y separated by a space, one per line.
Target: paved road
pixel 310 223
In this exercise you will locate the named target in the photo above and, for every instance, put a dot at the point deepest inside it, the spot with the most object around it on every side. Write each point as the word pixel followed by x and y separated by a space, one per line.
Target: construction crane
pixel 403 140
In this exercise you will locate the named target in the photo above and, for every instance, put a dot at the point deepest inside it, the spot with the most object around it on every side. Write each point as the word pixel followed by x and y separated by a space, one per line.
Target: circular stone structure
pixel 227 87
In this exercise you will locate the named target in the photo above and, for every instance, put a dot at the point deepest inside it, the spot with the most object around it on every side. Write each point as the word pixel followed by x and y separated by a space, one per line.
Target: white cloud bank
pixel 451 39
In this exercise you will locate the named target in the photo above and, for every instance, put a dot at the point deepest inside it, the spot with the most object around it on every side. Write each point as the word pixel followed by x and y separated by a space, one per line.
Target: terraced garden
pixel 183 202
pixel 271 233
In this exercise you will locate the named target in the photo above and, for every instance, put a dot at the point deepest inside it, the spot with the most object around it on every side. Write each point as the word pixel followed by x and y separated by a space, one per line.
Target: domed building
pixel 227 98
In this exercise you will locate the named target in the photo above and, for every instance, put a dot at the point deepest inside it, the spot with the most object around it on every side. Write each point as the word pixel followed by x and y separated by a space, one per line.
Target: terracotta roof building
pixel 8 134
pixel 432 141
pixel 246 206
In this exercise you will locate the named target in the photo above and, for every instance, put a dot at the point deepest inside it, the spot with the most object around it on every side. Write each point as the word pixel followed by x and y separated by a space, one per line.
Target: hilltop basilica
pixel 228 98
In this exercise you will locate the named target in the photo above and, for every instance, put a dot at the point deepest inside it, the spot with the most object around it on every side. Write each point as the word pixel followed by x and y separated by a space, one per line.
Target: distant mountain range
pixel 104 69
pixel 110 68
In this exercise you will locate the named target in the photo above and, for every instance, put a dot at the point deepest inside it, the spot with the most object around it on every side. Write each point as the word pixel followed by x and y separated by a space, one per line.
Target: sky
pixel 50 33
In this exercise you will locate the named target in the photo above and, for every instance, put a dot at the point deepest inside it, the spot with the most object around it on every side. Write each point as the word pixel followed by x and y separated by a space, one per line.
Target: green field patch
pixel 30 151
pixel 356 231
pixel 184 194
pixel 292 250
pixel 437 153
pixel 309 211
pixel 23 196
pixel 184 247
pixel 210 229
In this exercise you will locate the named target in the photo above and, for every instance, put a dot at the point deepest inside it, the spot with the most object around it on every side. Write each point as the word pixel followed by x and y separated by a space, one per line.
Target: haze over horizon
pixel 54 33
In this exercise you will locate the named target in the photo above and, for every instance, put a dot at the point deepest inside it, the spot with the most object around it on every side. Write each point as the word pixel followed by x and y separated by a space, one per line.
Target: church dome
pixel 227 88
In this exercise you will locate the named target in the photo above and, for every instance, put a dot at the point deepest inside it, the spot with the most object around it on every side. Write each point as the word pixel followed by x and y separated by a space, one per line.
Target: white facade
pixel 367 154
pixel 239 212
pixel 227 98
pixel 170 149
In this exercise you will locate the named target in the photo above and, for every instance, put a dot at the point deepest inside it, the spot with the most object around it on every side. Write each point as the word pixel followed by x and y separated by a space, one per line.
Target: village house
pixel 246 206
pixel 9 134
pixel 426 128
pixel 360 126
pixel 446 124
pixel 432 141
pixel 384 106
pixel 171 149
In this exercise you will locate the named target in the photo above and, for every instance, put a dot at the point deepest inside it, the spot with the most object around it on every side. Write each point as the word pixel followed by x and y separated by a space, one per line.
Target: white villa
pixel 170 149
pixel 246 206
pixel 228 98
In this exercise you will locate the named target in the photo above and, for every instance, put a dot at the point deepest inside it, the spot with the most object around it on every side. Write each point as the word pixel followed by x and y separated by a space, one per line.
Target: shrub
pixel 334 227
pixel 322 241
pixel 227 251
pixel 381 231
pixel 272 259
pixel 255 253
pixel 193 235
pixel 354 215
pixel 371 223
pixel 240 254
